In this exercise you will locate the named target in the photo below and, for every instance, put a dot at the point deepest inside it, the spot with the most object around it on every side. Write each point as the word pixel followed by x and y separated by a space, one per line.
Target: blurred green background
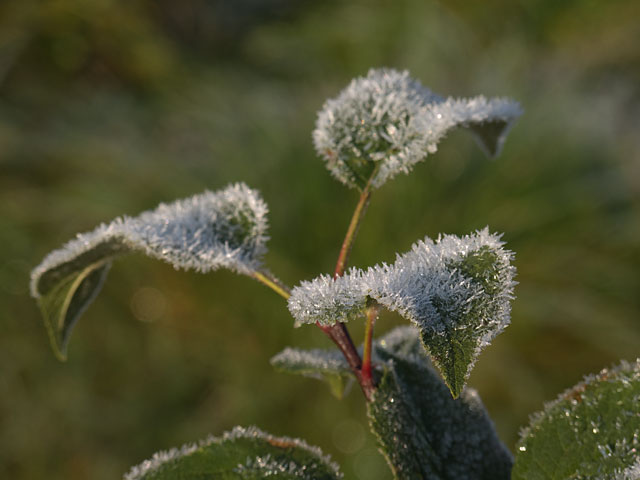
pixel 110 107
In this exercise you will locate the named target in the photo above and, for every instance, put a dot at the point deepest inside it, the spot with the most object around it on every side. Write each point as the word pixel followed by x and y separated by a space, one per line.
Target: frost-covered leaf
pixel 326 301
pixel 457 290
pixel 384 123
pixel 327 365
pixel 422 431
pixel 224 229
pixel 242 454
pixel 590 432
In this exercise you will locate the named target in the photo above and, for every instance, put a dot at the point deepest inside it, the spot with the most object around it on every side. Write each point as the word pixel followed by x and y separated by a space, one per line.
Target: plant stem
pixel 266 278
pixel 338 332
pixel 372 315
pixel 358 214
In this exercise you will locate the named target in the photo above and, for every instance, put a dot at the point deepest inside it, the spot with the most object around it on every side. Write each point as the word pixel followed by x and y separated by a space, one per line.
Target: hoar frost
pixel 420 285
pixel 223 229
pixel 598 418
pixel 163 464
pixel 386 122
pixel 457 290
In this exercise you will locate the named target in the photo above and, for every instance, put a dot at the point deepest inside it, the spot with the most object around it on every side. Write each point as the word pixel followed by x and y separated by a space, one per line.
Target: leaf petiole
pixel 349 238
pixel 268 279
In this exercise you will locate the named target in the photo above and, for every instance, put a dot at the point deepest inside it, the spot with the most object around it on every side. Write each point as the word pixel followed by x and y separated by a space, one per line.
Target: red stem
pixel 338 332
pixel 372 315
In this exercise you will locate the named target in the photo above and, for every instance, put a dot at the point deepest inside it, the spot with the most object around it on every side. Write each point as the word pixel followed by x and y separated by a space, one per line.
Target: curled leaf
pixel 224 229
pixel 591 431
pixel 386 122
pixel 243 453
pixel 456 290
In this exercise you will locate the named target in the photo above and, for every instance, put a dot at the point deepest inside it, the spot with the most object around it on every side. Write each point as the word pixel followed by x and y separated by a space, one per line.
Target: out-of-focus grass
pixel 108 108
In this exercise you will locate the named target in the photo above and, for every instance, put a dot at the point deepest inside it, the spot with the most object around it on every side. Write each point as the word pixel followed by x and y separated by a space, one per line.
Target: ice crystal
pixel 326 300
pixel 384 123
pixel 224 229
pixel 630 473
pixel 457 290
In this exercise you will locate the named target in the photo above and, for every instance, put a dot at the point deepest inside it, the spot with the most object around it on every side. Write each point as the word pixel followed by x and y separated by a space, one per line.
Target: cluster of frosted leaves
pixel 457 290
pixel 223 229
pixel 386 122
pixel 591 431
pixel 422 431
pixel 242 454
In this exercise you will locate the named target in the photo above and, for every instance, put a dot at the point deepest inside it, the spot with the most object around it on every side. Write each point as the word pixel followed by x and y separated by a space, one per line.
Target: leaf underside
pixel 242 454
pixel 590 432
pixel 490 136
pixel 68 289
pixel 423 432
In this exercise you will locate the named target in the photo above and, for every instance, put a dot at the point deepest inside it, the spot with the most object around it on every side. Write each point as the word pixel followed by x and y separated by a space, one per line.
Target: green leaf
pixel 62 305
pixel 242 454
pixel 327 365
pixel 224 229
pixel 589 432
pixel 422 431
pixel 471 322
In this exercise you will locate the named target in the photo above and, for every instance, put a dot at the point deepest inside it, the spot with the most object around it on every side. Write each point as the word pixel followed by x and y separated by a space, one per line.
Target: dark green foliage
pixel 490 136
pixel 590 432
pixel 422 431
pixel 454 354
pixel 242 454
pixel 66 291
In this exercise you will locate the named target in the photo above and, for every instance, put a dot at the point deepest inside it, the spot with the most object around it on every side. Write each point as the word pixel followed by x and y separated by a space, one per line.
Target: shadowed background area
pixel 108 108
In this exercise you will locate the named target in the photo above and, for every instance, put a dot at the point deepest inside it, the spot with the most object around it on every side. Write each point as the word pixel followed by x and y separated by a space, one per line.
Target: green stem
pixel 358 214
pixel 267 278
